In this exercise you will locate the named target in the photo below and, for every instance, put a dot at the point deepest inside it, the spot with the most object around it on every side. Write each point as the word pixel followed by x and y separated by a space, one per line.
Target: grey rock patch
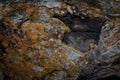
pixel 51 3
pixel 71 53
pixel 60 75
pixel 80 40
pixel 38 69
pixel 59 42
pixel 44 18
pixel 49 52
pixel 112 51
pixel 18 17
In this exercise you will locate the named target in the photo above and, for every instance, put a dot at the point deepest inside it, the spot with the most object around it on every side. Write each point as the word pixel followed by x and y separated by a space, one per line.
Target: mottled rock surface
pixel 81 40
pixel 59 40
pixel 106 55
pixel 31 44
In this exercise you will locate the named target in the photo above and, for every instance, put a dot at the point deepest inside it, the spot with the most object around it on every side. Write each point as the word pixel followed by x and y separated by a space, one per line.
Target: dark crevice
pixel 82 23
pixel 98 73
pixel 84 30
pixel 113 77
pixel 2 48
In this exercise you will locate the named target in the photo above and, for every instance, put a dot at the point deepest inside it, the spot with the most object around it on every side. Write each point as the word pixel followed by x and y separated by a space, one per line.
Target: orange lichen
pixel 33 30
pixel 20 69
pixel 32 12
pixel 26 43
pixel 114 38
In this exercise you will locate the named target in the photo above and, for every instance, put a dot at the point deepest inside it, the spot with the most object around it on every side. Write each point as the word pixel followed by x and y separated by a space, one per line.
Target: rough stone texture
pixel 108 46
pixel 31 45
pixel 105 56
pixel 110 7
pixel 31 39
pixel 81 40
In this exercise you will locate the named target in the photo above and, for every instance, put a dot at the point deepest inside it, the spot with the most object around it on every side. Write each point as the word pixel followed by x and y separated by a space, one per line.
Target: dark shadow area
pixel 112 77
pixel 82 23
pixel 84 30
pixel 96 72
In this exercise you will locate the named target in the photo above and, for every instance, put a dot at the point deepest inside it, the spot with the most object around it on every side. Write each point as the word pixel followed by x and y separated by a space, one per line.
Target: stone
pixel 81 40
pixel 114 11
pixel 71 53
pixel 19 17
pixel 48 28
pixel 44 18
pixel 38 69
pixel 49 52
pixel 61 75
pixel 57 40
pixel 52 4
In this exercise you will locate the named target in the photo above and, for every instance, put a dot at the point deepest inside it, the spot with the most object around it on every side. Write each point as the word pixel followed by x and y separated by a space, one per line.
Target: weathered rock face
pixel 31 45
pixel 57 40
pixel 110 7
pixel 108 45
pixel 81 40
pixel 106 55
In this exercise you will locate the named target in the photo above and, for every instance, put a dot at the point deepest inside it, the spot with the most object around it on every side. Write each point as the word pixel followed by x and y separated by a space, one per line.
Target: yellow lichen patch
pixel 59 59
pixel 5 43
pixel 11 50
pixel 116 22
pixel 9 22
pixel 60 27
pixel 54 62
pixel 32 12
pixel 74 69
pixel 20 69
pixel 33 30
pixel 48 67
pixel 46 64
pixel 12 55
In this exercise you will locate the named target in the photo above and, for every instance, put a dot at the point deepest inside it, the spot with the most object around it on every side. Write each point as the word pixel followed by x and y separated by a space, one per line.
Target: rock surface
pixel 59 40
